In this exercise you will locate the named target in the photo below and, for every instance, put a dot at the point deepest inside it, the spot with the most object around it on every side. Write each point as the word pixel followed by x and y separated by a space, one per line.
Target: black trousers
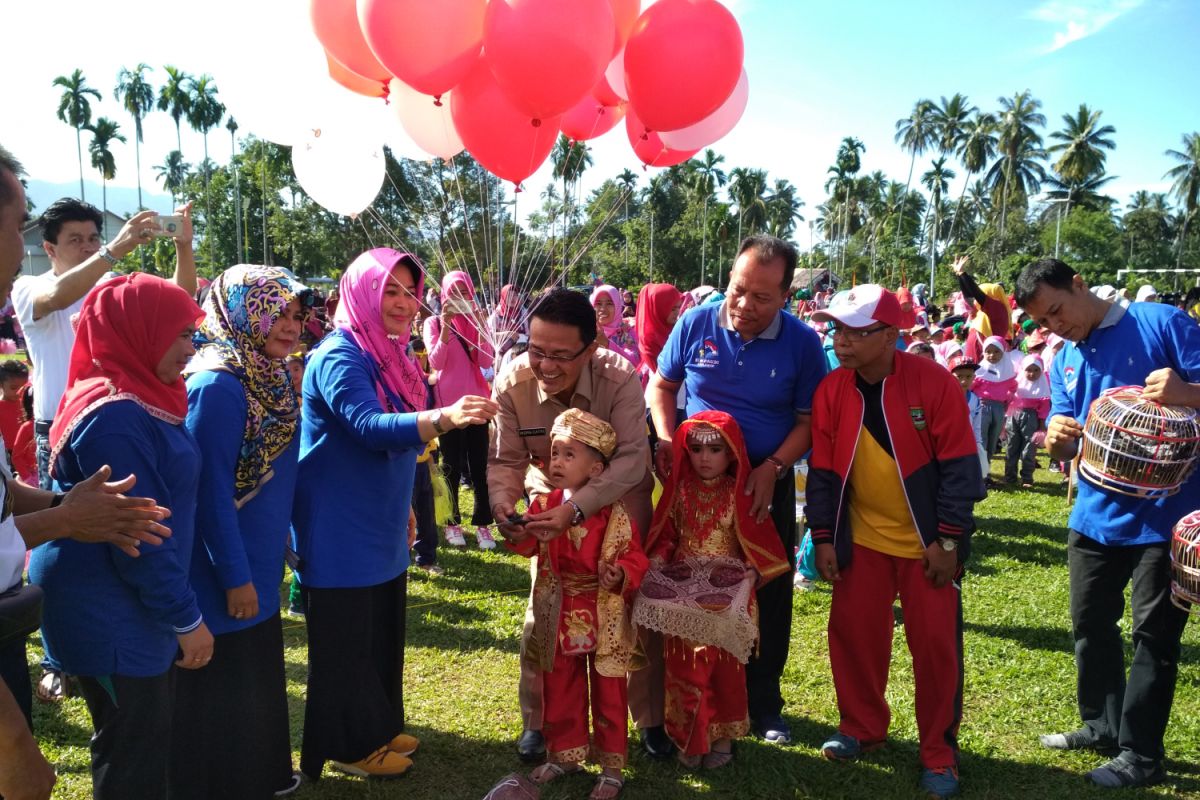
pixel 465 451
pixel 1131 711
pixel 355 701
pixel 131 746
pixel 14 671
pixel 765 669
pixel 422 503
pixel 230 734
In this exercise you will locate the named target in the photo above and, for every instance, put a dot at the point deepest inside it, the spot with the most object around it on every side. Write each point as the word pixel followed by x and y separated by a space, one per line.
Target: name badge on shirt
pixel 707 356
pixel 526 432
pixel 918 417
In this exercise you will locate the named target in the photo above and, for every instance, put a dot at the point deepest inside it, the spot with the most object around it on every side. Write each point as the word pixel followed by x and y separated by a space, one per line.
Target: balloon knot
pixel 537 123
pixel 517 188
pixel 316 133
pixel 437 100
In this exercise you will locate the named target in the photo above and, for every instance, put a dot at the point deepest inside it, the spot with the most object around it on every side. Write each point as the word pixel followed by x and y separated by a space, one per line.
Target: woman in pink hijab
pixel 460 348
pixel 612 331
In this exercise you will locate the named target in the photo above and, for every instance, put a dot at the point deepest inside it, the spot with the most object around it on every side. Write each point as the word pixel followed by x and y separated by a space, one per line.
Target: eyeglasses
pixel 855 334
pixel 538 355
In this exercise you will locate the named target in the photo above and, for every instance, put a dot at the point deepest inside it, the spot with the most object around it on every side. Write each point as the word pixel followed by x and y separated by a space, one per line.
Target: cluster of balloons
pixel 502 78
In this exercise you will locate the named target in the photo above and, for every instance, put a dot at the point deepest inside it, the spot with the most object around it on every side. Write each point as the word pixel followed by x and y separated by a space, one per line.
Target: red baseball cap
pixel 862 307
pixel 962 361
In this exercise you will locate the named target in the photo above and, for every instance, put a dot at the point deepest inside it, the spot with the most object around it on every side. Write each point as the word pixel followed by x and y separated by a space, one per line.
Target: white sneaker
pixel 455 537
pixel 484 537
pixel 802 583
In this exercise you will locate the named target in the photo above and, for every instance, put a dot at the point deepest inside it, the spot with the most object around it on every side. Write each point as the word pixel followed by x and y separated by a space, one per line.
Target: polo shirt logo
pixel 707 356
pixel 918 417
pixel 1069 378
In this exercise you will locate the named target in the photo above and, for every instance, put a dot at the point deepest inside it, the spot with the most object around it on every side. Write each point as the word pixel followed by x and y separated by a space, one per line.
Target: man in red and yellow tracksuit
pixel 893 478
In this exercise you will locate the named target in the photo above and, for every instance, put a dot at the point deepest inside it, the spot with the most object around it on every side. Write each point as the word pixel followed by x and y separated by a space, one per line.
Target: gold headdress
pixel 703 433
pixel 587 428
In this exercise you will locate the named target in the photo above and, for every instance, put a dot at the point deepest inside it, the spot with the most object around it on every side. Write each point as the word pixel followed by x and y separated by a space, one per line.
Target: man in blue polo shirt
pixel 750 359
pixel 1115 538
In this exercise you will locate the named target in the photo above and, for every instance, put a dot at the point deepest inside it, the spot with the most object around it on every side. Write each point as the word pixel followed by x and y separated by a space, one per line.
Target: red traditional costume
pixel 582 637
pixel 704 531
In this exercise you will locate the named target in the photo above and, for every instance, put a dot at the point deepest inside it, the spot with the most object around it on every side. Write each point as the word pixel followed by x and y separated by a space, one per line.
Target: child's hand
pixel 611 576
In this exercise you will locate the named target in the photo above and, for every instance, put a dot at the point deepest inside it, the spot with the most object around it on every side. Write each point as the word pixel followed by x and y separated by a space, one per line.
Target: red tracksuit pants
pixel 860 651
pixel 705 696
pixel 565 712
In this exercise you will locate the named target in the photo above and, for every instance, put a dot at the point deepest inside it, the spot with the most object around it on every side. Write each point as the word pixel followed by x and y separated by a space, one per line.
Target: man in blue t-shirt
pixel 747 357
pixel 1115 538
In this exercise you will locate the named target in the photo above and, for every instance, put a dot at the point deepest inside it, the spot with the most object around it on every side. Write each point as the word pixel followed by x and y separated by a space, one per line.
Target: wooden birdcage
pixel 1185 563
pixel 1138 447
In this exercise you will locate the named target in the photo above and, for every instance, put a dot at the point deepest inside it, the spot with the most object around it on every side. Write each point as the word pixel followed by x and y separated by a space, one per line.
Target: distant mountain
pixel 122 200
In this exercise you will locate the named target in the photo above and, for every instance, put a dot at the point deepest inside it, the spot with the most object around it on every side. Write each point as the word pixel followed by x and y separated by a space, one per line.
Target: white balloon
pixel 615 75
pixel 428 124
pixel 713 127
pixel 338 172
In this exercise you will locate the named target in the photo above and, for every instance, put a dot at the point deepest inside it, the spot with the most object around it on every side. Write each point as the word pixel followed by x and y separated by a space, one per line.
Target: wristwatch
pixel 577 518
pixel 948 544
pixel 780 467
pixel 436 421
pixel 107 255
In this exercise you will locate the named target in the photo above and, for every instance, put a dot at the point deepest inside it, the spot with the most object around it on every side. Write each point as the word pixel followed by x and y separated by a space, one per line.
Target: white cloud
pixel 1078 19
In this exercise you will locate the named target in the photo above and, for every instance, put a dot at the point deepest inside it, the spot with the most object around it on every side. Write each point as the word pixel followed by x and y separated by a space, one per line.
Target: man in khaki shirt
pixel 565 368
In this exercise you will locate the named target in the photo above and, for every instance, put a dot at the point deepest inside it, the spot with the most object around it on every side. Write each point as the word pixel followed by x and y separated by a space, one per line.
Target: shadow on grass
pixel 1024 540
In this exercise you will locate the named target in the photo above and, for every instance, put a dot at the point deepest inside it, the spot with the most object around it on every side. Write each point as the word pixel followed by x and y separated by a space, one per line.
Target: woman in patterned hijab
pixel 230 735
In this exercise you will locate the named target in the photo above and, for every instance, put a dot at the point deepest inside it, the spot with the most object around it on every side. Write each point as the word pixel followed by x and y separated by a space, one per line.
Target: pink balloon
pixel 647 145
pixel 590 118
pixel 431 46
pixel 547 53
pixel 682 61
pixel 613 81
pixel 427 123
pixel 715 125
pixel 625 14
pixel 336 24
pixel 499 135
pixel 355 83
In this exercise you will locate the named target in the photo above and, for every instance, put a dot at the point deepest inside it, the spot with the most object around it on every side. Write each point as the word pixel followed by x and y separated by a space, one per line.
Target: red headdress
pixel 759 540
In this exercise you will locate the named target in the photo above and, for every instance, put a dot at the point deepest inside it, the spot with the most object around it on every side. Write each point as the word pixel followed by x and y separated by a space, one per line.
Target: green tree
pixel 976 148
pixel 1185 177
pixel 175 98
pixel 104 132
pixel 173 172
pixel 136 96
pixel 75 109
pixel 951 121
pixel 916 133
pixel 204 113
pixel 783 209
pixel 937 181
pixel 1020 148
pixel 1081 145
pixel 707 179
pixel 570 160
pixel 747 189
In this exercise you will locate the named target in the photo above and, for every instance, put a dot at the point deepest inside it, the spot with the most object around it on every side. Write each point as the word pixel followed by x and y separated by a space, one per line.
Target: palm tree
pixel 627 179
pixel 707 179
pixel 1085 193
pixel 232 126
pixel 1186 186
pixel 75 110
pixel 746 188
pixel 951 120
pixel 175 98
pixel 1082 143
pixel 915 133
pixel 654 197
pixel 204 113
pixel 976 148
pixel 846 166
pixel 783 209
pixel 937 181
pixel 136 96
pixel 570 160
pixel 104 132
pixel 1018 140
pixel 173 173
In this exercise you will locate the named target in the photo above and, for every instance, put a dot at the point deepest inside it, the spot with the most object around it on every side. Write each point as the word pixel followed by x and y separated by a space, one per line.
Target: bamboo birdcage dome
pixel 1185 563
pixel 1138 447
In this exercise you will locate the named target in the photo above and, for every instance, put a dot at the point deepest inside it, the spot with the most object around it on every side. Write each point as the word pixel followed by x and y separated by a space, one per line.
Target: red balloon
pixel 499 135
pixel 648 147
pixel 603 93
pixel 547 53
pixel 682 61
pixel 589 119
pixel 355 83
pixel 625 14
pixel 336 24
pixel 431 46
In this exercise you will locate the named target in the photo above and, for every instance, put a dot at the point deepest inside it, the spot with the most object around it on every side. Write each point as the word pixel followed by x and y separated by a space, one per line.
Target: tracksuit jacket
pixel 932 442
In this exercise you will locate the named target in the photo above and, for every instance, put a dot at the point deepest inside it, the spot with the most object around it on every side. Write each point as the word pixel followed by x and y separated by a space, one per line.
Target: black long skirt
pixel 355 699
pixel 230 735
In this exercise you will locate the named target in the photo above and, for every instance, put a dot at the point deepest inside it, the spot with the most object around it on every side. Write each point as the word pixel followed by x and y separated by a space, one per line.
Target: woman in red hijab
pixel 657 310
pixel 118 622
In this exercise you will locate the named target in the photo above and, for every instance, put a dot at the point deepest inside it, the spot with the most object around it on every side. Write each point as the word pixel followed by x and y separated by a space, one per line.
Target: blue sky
pixel 818 71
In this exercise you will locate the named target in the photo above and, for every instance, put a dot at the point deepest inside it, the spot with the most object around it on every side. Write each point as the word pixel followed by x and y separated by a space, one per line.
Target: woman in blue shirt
pixel 115 621
pixel 364 425
pixel 231 731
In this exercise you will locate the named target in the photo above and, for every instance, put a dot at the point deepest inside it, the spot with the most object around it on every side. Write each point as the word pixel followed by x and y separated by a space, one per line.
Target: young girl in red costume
pixel 582 637
pixel 708 553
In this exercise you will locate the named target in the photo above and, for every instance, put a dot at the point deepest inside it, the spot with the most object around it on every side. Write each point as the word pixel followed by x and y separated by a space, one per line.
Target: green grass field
pixel 462 672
